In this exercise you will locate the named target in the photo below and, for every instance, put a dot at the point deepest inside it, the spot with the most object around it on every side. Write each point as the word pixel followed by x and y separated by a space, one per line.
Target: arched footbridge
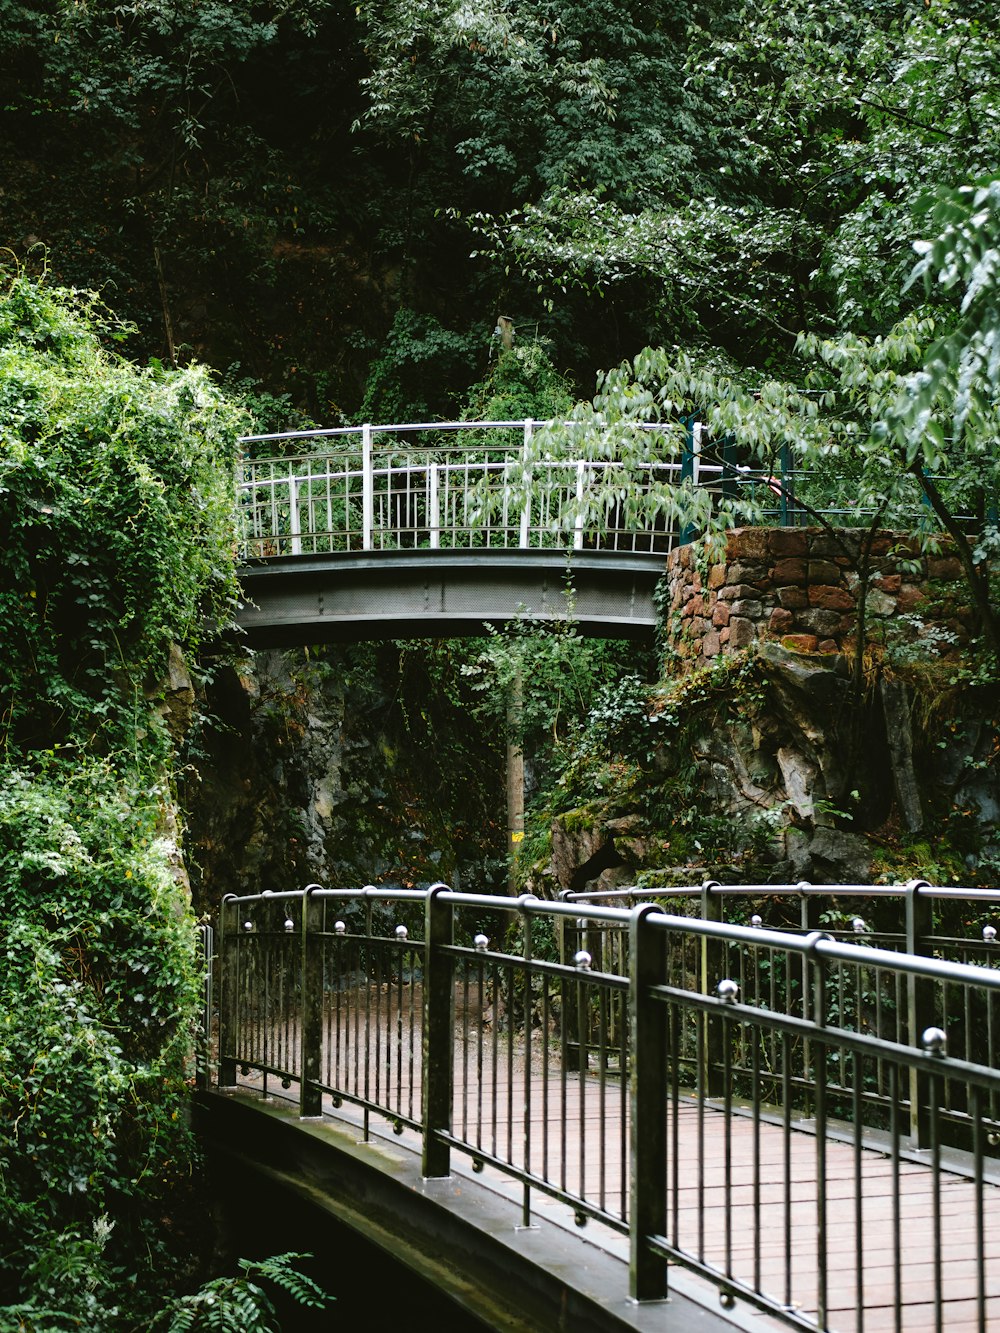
pixel 432 529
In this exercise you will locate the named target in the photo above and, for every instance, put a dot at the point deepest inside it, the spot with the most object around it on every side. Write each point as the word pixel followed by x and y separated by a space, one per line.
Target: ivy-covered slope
pixel 116 513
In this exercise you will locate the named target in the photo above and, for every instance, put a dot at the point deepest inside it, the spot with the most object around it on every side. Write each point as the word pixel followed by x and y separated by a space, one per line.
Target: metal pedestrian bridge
pixel 439 528
pixel 631 1114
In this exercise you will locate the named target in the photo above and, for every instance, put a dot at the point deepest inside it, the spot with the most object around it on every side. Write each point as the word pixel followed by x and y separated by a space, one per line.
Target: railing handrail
pixel 817 943
pixel 399 428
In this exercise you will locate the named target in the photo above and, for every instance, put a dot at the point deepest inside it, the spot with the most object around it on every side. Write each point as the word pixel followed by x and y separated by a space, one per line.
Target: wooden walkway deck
pixel 742 1196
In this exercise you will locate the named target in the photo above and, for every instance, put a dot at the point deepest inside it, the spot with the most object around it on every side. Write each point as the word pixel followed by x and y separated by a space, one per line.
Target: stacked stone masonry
pixel 800 586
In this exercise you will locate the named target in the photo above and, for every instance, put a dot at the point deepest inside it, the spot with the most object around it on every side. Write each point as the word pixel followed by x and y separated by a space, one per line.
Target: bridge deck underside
pixel 743 1194
pixel 442 593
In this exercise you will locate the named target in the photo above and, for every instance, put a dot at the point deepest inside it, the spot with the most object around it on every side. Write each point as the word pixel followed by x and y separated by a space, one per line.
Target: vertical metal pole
pixel 311 1015
pixel 295 527
pixel 438 1033
pixel 203 1055
pixel 367 488
pixel 648 1091
pixel 526 1019
pixel 434 506
pixel 687 532
pixel 818 966
pixel 581 489
pixel 711 975
pixel 919 1005
pixel 526 483
pixel 228 982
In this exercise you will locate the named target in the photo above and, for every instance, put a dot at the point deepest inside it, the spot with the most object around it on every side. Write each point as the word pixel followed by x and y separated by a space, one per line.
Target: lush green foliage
pixel 117 505
pixel 98 995
pixel 549 675
pixel 115 490
pixel 713 170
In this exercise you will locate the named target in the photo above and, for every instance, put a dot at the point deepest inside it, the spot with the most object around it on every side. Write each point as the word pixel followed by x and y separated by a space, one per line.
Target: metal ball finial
pixel 248 925
pixel 728 990
pixel 858 925
pixel 401 932
pixel 989 934
pixel 582 960
pixel 482 943
pixel 935 1041
pixel 757 921
pixel 339 928
pixel 289 924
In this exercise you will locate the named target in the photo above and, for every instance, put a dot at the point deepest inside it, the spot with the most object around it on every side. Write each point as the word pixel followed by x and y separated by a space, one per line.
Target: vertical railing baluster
pixel 935 1043
pixel 434 507
pixel 526 483
pixel 311 1001
pixel 648 1093
pixel 438 1033
pixel 203 1057
pixel 228 991
pixel 919 1004
pixel 367 488
pixel 819 1053
pixel 526 1019
pixel 976 1111
pixel 711 975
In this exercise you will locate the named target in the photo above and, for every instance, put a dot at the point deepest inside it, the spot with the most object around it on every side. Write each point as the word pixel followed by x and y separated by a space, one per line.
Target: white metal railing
pixel 413 486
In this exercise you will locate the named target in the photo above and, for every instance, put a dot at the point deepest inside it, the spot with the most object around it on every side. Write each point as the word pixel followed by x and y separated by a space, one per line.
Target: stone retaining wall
pixel 800 586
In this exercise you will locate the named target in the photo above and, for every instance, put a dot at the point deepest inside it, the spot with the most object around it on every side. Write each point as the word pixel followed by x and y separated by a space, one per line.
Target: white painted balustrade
pixel 456 486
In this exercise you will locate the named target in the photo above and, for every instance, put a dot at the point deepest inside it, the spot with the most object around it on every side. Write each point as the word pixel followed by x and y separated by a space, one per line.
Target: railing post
pixel 816 964
pixel 648 1084
pixel 689 472
pixel 813 998
pixel 367 489
pixel 526 482
pixel 711 1079
pixel 203 1051
pixel 228 991
pixel 311 992
pixel 919 1004
pixel 438 1036
pixel 581 490
pixel 294 523
pixel 433 506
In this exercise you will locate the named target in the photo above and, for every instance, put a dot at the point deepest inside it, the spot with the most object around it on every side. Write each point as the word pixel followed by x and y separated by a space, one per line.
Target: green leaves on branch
pixel 960 378
pixel 242 1304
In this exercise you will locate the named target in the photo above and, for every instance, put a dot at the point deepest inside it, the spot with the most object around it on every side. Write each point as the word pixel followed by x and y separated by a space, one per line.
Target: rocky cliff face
pixel 776 773
pixel 311 769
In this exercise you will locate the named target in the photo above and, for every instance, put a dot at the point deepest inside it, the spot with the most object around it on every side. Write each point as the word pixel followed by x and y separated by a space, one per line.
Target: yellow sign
pixel 517 835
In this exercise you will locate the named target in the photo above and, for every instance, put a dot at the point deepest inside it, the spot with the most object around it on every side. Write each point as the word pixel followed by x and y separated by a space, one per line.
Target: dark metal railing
pixel 754 1105
pixel 865 994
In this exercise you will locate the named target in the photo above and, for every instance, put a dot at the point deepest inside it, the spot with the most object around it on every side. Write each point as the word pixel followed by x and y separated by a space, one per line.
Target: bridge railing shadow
pixel 672 1078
